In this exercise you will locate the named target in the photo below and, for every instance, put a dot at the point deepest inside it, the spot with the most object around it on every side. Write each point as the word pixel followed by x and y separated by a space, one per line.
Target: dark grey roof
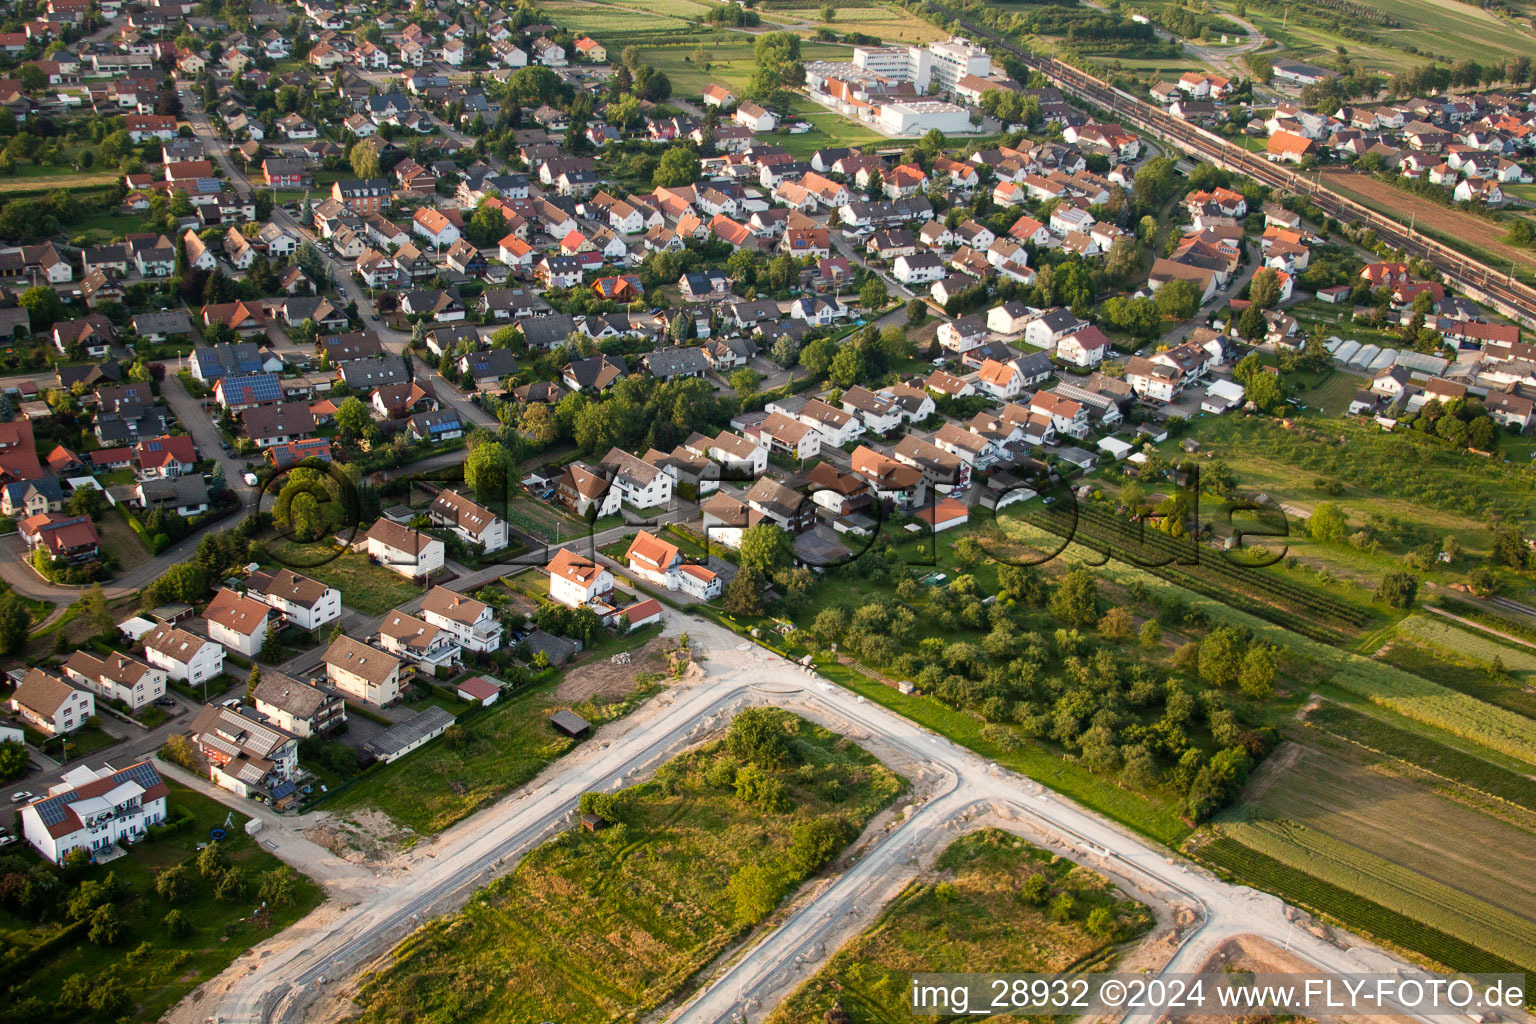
pixel 397 737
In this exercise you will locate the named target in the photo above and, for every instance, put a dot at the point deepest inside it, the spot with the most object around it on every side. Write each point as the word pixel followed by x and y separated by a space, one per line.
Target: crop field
pixel 1442 707
pixel 1268 593
pixel 611 924
pixel 1453 29
pixel 1454 639
pixel 1426 754
pixel 1429 215
pixel 1304 888
pixel 970 919
pixel 1390 839
pixel 1402 476
pixel 1438 28
pixel 1458 912
pixel 728 60
pixel 1461 676
pixel 892 24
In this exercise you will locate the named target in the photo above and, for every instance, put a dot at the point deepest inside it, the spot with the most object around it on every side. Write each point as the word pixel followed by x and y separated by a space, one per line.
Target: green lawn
pixel 608 925
pixel 151 968
pixel 119 540
pixel 365 586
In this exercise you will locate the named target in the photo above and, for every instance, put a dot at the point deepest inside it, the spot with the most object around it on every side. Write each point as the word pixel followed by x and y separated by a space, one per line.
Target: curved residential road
pixel 277 981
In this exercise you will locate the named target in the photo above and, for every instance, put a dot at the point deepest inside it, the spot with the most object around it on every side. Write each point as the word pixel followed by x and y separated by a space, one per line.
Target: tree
pixel 1101 923
pixel 1076 599
pixel 745 381
pixel 352 416
pixel 1151 634
pixel 13 760
pixel 1252 325
pixel 874 294
pixel 174 884
pixel 744 595
pixel 1264 289
pixel 1177 299
pixel 488 472
pixel 917 311
pixel 1221 656
pixel 175 924
pixel 817 356
pixel 1117 624
pixel 847 367
pixel 178 749
pixel 760 736
pixel 43 305
pixel 1265 392
pixel 764 548
pixel 278 887
pixel 816 841
pixel 679 166
pixel 1398 589
pixel 230 886
pixel 252 681
pixel 106 926
pixel 1509 548
pixel 15 623
pixel 760 789
pixel 1327 522
pixel 754 891
pixel 1256 679
pixel 212 861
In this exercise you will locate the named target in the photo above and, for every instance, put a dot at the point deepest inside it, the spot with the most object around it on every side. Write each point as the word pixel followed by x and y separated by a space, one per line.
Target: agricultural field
pixel 889 23
pixel 147 969
pixel 1419 488
pixel 600 925
pixel 1385 837
pixel 499 750
pixel 1305 888
pixel 728 60
pixel 1287 599
pixel 588 17
pixel 1450 638
pixel 1460 674
pixel 968 917
pixel 1445 29
pixel 1424 753
pixel 1442 222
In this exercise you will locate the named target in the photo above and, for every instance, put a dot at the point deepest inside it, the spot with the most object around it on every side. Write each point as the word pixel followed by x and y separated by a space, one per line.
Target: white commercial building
pixel 901 63
pixel 956 58
pixel 918 117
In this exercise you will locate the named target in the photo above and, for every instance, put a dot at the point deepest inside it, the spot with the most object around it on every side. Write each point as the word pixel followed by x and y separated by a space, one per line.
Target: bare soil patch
pixel 1248 953
pixel 608 679
pixel 1428 213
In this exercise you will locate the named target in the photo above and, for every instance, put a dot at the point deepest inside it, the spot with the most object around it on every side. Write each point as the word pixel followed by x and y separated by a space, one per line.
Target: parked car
pixel 6 841
pixel 20 796
pixel 166 702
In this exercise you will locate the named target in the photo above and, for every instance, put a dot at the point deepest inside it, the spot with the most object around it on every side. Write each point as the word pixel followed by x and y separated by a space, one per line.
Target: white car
pixel 20 796
pixel 6 841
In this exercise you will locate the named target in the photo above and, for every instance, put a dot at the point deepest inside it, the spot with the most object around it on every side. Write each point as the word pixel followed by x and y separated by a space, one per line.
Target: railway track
pixel 1510 297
